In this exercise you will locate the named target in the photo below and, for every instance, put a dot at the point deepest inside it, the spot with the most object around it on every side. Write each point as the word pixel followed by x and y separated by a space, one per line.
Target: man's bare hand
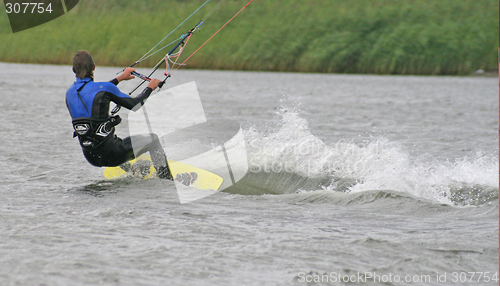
pixel 153 84
pixel 126 75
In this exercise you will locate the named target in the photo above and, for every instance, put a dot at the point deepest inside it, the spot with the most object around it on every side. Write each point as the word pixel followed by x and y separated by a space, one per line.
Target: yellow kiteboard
pixel 188 175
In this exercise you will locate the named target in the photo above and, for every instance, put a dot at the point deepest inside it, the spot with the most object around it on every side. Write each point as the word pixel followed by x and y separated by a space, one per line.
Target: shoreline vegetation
pixel 419 37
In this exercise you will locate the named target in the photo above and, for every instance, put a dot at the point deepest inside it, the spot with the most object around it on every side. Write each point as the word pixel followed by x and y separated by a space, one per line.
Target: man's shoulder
pixel 103 86
pixel 71 89
pixel 108 87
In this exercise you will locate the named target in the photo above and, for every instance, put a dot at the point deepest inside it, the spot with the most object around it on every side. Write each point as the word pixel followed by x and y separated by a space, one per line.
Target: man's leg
pixel 141 144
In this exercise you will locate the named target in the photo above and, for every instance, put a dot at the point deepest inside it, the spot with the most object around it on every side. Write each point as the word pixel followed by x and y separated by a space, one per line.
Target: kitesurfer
pixel 88 104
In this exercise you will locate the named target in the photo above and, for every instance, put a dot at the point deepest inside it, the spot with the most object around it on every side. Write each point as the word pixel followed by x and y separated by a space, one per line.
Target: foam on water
pixel 377 164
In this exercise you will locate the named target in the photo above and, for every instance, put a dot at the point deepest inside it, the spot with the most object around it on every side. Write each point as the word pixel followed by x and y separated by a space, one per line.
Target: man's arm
pixel 127 101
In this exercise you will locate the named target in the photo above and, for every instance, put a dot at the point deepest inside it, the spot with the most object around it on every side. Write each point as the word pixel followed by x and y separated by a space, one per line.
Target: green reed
pixel 357 36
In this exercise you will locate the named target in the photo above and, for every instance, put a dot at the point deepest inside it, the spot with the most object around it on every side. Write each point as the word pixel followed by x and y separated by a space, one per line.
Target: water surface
pixel 349 174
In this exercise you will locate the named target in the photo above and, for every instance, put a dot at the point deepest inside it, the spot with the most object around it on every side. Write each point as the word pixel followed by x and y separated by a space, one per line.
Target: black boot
pixel 164 173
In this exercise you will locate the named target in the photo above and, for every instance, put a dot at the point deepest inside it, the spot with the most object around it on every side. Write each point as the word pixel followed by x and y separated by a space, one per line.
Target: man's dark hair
pixel 83 65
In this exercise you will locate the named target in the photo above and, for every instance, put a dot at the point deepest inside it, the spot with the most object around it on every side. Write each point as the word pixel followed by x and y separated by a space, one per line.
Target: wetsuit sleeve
pixel 114 81
pixel 125 100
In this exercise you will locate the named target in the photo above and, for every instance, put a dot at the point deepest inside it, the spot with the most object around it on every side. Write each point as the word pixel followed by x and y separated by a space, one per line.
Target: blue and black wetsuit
pixel 88 103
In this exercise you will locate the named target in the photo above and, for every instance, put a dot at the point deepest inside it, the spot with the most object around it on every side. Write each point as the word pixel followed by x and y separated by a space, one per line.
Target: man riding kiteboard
pixel 88 104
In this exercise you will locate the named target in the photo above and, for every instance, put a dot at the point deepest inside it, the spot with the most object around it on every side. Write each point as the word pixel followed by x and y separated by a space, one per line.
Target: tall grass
pixel 355 36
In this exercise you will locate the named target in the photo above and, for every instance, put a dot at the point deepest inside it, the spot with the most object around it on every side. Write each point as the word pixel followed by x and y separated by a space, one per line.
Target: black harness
pixel 93 132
